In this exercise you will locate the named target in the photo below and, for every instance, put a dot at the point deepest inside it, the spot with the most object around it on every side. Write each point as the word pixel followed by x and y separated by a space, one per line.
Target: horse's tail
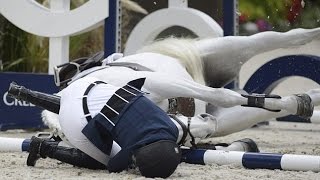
pixel 182 49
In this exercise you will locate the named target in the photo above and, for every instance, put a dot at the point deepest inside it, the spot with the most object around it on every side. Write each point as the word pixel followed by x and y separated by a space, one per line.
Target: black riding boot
pixel 47 148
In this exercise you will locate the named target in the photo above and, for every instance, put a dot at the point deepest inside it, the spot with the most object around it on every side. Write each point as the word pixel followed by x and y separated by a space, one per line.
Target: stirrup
pixel 257 100
pixel 44 135
pixel 305 106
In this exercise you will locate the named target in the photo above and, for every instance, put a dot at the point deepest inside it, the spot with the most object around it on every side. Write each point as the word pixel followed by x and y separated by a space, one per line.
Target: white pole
pixel 252 160
pixel 58 46
pixel 13 144
pixel 315 118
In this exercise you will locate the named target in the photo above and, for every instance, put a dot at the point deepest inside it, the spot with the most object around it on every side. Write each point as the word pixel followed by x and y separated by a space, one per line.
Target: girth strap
pixel 84 99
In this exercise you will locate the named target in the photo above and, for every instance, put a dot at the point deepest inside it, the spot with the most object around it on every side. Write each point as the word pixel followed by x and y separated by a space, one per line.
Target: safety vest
pixel 130 119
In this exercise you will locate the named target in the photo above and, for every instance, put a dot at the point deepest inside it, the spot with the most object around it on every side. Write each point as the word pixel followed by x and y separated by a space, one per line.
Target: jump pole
pixel 248 160
pixel 289 162
pixel 14 144
pixel 315 118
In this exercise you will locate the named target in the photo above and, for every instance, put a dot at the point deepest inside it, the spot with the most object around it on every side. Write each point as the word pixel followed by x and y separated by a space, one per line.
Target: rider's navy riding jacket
pixel 131 120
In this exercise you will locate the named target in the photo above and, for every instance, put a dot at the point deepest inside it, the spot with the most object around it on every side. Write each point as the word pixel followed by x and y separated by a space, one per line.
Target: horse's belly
pixel 118 76
pixel 158 63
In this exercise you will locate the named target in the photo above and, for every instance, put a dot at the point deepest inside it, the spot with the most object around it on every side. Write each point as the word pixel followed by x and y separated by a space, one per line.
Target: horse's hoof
pixel 305 106
pixel 247 144
pixel 261 124
pixel 251 146
pixel 209 146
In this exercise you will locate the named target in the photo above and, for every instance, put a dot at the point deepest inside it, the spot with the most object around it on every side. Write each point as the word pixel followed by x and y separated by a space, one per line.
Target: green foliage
pixel 24 52
pixel 275 12
pixel 21 51
pixel 256 9
pixel 87 43
pixel 310 18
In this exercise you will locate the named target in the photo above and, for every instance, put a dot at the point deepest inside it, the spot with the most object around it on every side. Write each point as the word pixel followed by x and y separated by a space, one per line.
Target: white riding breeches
pixel 73 120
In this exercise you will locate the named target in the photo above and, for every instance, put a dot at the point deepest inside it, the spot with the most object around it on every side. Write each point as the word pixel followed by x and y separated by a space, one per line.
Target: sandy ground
pixel 278 137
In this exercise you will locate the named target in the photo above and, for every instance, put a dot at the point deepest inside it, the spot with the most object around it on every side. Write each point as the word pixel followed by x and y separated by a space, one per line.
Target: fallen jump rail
pixel 248 160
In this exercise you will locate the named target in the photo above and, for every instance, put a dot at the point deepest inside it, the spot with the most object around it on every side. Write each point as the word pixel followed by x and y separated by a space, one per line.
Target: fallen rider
pixel 98 118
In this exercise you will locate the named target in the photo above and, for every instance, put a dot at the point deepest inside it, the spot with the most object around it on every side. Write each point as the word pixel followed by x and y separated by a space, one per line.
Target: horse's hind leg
pixel 223 57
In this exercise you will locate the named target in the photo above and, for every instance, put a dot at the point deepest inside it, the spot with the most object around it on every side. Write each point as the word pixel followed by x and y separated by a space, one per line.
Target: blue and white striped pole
pixel 252 160
pixel 14 144
pixel 199 156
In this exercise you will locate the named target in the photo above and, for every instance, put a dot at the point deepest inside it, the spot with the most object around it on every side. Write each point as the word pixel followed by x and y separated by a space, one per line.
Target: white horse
pixel 186 68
